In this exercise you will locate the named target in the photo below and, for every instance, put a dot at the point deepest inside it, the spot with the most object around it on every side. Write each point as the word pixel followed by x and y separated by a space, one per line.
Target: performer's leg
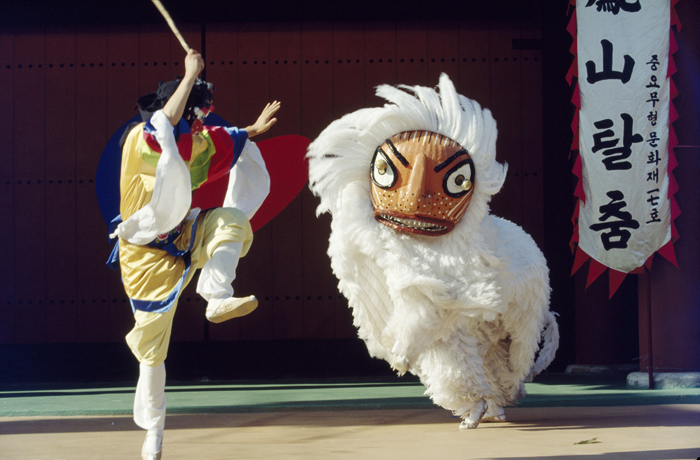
pixel 149 407
pixel 215 284
pixel 219 271
pixel 149 341
pixel 224 236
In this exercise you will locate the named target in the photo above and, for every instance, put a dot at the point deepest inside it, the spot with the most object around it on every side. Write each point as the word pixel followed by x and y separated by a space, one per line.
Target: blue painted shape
pixel 107 176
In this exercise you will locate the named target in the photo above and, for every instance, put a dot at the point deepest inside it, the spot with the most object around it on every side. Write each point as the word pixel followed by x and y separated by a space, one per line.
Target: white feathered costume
pixel 465 310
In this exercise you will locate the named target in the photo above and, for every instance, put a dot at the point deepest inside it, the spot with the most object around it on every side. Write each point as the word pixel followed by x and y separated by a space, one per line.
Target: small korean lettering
pixel 653 200
pixel 653 139
pixel 654 216
pixel 653 117
pixel 654 62
pixel 653 157
pixel 653 98
pixel 653 176
pixel 653 83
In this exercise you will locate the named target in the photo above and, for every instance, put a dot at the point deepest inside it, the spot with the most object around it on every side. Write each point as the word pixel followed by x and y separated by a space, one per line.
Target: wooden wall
pixel 668 296
pixel 66 90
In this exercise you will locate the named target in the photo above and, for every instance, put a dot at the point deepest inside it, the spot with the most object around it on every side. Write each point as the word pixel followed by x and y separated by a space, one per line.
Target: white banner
pixel 623 55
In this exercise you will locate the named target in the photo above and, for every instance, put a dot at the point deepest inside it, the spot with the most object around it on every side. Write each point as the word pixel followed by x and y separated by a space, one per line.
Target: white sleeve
pixel 172 191
pixel 249 181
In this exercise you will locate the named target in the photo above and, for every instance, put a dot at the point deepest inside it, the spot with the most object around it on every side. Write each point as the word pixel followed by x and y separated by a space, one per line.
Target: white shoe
pixel 475 415
pixel 155 456
pixel 149 456
pixel 494 413
pixel 220 310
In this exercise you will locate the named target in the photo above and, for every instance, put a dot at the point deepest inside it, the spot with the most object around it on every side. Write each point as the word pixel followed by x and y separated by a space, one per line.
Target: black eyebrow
pixel 445 163
pixel 396 153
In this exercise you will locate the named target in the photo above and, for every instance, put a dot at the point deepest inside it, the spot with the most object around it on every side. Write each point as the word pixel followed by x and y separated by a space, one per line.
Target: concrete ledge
pixel 664 380
pixel 593 369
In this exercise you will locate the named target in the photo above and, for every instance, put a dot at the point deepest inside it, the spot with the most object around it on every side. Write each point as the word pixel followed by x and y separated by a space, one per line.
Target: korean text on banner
pixel 624 131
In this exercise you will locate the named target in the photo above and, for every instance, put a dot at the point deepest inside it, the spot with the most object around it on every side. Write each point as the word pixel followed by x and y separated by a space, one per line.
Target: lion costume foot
pixel 475 415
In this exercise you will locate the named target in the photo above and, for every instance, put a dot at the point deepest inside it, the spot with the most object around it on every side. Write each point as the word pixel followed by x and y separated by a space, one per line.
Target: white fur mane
pixel 435 303
pixel 351 141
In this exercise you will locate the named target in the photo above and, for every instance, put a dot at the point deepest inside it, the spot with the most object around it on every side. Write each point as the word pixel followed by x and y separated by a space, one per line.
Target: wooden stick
pixel 172 25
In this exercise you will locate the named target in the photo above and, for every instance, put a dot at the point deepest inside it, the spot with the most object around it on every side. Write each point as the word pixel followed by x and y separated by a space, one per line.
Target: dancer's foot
pixel 220 310
pixel 156 456
pixel 475 415
pixel 152 447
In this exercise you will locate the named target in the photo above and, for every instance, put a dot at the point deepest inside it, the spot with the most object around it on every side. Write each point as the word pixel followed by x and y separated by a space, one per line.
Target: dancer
pixel 438 286
pixel 174 221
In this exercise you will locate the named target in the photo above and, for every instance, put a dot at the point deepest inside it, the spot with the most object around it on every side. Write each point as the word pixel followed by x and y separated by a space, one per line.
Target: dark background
pixel 71 70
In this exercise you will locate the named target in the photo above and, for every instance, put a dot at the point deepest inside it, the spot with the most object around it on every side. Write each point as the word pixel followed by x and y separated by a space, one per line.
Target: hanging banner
pixel 624 136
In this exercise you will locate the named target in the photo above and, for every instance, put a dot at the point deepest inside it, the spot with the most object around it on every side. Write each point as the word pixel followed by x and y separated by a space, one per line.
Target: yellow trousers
pixel 150 337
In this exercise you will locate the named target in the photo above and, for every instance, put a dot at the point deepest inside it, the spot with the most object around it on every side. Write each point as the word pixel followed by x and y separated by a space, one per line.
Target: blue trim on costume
pixel 181 128
pixel 113 259
pixel 161 306
pixel 239 137
pixel 168 243
pixel 158 306
pixel 107 176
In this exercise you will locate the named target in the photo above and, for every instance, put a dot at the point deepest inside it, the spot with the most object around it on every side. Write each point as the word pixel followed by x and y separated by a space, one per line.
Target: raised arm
pixel 265 120
pixel 175 106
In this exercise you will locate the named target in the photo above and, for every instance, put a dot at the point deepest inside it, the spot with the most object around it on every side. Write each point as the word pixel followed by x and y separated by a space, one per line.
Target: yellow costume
pixel 155 273
pixel 187 193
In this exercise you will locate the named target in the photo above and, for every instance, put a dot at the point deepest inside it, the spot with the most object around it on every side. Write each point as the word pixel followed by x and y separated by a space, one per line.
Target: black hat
pixel 201 96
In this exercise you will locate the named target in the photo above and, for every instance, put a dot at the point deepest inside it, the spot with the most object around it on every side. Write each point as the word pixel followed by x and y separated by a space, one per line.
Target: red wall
pixel 670 296
pixel 66 90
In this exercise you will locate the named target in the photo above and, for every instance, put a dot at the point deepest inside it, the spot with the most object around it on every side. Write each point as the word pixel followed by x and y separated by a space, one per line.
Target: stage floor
pixel 669 432
pixel 563 417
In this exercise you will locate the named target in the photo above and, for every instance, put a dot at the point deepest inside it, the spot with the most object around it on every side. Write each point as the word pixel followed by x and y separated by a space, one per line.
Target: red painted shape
pixel 285 157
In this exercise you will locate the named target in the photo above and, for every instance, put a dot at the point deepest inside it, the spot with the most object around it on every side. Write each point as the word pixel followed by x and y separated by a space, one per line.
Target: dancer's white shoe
pixel 150 444
pixel 220 310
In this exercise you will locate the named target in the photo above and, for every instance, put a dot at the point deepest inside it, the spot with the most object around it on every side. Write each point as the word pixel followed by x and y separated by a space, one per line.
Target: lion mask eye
pixel 383 171
pixel 460 179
